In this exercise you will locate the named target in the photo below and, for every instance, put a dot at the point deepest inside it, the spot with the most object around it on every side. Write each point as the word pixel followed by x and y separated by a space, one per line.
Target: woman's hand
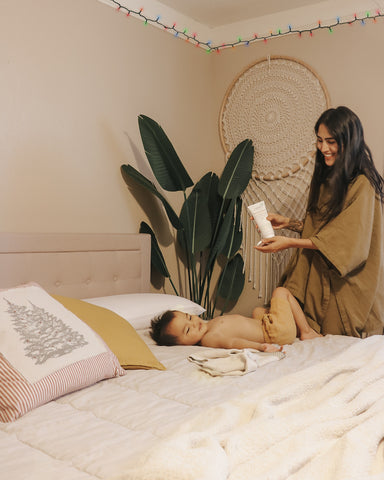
pixel 278 221
pixel 275 244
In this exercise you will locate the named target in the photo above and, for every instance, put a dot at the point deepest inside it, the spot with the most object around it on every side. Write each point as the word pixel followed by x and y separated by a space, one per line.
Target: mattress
pixel 102 431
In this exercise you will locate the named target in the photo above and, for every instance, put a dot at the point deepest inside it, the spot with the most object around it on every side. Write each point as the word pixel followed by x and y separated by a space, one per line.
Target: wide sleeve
pixel 345 240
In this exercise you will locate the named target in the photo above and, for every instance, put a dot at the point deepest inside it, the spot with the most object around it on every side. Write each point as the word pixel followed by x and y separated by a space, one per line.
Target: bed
pixel 129 409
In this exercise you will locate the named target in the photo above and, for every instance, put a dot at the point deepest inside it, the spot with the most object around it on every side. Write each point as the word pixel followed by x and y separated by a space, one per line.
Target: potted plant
pixel 208 226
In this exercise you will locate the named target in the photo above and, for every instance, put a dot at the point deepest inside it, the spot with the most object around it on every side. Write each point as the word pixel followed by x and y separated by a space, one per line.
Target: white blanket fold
pixel 220 362
pixel 324 422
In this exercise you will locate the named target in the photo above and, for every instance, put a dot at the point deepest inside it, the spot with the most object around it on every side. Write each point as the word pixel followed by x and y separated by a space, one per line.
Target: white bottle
pixel 259 213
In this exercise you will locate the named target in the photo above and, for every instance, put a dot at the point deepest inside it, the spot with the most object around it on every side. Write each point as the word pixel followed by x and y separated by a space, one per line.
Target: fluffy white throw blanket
pixel 220 361
pixel 323 422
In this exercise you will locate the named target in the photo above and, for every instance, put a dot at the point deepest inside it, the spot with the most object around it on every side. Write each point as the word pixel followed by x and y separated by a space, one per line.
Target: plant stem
pixel 174 288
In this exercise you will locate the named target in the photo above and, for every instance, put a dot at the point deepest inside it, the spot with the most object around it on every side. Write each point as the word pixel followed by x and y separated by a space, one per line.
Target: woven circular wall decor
pixel 275 102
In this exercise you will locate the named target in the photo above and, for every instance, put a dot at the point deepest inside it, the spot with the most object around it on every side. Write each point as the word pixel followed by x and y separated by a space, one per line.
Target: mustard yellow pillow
pixel 117 333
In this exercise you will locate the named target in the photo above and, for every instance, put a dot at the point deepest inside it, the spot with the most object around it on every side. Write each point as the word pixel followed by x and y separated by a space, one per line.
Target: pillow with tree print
pixel 46 351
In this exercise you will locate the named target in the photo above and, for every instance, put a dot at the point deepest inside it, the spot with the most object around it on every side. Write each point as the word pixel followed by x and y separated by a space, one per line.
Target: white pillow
pixel 140 308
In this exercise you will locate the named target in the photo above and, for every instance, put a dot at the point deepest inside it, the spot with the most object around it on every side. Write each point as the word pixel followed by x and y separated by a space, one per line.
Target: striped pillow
pixel 46 352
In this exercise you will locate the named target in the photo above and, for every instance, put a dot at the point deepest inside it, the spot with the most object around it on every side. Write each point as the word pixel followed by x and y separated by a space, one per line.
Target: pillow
pixel 117 333
pixel 140 308
pixel 46 351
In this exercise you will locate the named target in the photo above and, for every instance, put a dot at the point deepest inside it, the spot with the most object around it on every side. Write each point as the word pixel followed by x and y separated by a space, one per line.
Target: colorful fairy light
pixel 209 47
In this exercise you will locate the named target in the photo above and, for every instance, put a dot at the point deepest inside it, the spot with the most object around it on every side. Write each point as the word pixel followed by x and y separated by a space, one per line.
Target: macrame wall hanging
pixel 275 103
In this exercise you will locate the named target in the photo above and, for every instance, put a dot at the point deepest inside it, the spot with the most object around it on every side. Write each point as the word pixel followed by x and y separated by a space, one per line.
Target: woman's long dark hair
pixel 354 158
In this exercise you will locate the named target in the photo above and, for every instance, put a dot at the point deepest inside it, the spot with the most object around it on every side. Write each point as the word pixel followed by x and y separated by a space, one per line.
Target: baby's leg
pixel 304 330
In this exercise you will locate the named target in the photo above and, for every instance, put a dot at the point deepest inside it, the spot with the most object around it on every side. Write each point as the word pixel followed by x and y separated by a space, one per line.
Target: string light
pixel 209 47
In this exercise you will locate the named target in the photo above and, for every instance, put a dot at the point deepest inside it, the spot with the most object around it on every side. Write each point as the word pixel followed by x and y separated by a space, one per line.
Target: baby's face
pixel 188 329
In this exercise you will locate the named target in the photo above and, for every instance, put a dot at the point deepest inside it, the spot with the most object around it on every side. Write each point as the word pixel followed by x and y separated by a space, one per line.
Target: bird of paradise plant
pixel 209 223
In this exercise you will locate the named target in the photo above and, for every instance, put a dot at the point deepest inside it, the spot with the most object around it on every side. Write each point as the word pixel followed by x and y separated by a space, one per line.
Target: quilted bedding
pixel 103 431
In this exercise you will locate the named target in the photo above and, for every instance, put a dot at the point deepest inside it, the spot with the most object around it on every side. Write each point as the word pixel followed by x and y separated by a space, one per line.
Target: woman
pixel 337 273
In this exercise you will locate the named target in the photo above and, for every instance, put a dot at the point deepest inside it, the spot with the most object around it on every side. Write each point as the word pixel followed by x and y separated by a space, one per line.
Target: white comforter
pixel 324 422
pixel 316 411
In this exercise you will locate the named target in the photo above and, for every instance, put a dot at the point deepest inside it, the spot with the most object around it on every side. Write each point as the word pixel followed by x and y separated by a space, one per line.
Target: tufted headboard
pixel 81 265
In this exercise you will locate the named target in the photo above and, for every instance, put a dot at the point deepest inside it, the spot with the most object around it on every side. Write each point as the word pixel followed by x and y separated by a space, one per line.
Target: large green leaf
pixel 237 171
pixel 235 235
pixel 195 217
pixel 157 258
pixel 214 200
pixel 225 230
pixel 128 172
pixel 231 282
pixel 164 161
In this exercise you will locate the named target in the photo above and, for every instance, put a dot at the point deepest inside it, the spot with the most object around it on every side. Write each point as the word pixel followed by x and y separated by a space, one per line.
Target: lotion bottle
pixel 259 213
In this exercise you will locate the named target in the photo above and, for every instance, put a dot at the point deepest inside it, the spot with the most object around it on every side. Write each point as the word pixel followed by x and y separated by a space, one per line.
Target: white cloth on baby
pixel 220 361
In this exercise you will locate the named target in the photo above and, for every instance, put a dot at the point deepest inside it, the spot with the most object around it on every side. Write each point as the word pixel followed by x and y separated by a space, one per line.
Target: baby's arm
pixel 220 341
pixel 240 343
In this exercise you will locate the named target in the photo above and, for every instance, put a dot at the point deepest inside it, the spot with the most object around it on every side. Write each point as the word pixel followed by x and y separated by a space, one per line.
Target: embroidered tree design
pixel 43 334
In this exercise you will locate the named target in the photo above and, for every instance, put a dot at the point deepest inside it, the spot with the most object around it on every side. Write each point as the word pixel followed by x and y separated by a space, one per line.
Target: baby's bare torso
pixel 234 326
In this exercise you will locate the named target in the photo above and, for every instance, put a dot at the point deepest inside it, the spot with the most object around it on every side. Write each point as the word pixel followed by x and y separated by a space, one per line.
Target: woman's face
pixel 327 145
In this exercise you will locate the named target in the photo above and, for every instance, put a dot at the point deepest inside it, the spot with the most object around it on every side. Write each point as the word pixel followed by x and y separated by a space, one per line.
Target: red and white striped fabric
pixel 18 396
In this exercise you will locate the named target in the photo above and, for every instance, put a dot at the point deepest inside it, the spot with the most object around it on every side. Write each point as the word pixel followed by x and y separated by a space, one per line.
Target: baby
pixel 278 325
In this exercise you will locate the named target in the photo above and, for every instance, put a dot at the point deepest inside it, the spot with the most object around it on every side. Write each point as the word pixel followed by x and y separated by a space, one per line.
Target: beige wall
pixel 76 74
pixel 74 77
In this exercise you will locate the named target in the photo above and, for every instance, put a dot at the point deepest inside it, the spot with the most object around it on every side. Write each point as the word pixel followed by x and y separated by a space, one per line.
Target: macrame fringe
pixel 287 196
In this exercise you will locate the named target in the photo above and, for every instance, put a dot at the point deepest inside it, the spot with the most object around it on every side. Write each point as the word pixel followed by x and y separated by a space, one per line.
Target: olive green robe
pixel 341 285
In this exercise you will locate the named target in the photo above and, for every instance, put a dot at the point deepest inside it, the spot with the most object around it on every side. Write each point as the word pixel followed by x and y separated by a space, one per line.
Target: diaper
pixel 278 324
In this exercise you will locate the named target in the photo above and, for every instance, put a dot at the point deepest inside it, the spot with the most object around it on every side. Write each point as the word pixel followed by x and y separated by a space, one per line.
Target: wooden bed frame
pixel 78 265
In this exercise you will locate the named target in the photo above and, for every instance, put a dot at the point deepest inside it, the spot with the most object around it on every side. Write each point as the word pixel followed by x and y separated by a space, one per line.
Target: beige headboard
pixel 77 265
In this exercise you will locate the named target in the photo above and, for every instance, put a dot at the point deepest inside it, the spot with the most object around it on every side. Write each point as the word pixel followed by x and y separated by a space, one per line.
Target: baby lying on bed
pixel 280 325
